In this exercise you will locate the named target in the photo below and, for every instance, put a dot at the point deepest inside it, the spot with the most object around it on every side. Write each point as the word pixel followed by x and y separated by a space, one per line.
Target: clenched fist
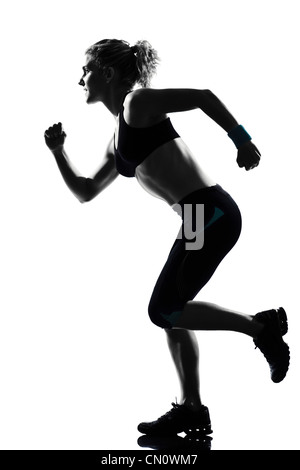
pixel 248 156
pixel 55 136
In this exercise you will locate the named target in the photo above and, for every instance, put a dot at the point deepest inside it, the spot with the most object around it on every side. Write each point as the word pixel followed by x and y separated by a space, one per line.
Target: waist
pixel 211 195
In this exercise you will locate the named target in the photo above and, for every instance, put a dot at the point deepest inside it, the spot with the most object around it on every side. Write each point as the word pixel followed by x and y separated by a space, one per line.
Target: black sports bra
pixel 136 144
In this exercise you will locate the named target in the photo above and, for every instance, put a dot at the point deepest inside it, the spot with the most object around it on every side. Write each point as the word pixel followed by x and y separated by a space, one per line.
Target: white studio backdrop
pixel 81 363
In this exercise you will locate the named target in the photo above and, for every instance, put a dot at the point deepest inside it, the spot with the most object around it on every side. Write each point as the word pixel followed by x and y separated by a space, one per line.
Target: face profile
pixel 92 81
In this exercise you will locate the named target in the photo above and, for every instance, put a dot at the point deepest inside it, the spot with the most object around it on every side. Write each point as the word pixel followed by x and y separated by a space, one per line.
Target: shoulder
pixel 141 99
pixel 138 109
pixel 153 104
pixel 136 97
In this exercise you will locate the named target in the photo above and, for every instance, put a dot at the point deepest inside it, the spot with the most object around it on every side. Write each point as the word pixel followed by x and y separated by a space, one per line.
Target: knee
pixel 161 318
pixel 157 318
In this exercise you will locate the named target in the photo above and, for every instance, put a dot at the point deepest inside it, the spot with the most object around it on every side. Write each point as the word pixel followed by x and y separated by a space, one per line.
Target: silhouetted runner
pixel 146 146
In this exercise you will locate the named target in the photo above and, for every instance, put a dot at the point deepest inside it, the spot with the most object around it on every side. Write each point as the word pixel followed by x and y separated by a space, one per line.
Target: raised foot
pixel 271 344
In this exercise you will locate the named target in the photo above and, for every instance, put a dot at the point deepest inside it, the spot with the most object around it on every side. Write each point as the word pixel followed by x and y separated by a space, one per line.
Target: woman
pixel 146 146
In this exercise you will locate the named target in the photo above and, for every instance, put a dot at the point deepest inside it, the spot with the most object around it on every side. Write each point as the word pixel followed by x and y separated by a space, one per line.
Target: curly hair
pixel 137 64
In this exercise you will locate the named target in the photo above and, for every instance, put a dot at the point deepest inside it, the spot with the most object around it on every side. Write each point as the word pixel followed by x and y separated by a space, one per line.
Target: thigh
pixel 186 272
pixel 220 236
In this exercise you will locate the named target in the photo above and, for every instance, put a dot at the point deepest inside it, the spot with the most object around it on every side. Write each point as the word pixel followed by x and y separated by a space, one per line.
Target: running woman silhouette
pixel 146 146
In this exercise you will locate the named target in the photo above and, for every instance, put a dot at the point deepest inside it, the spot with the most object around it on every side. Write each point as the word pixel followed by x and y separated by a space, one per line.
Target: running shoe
pixel 271 344
pixel 179 419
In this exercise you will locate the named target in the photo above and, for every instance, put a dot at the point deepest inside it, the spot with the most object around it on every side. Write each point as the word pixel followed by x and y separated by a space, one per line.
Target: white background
pixel 80 362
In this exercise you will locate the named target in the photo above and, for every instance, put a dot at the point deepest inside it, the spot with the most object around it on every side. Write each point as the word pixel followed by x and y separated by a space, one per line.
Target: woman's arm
pixel 83 188
pixel 156 103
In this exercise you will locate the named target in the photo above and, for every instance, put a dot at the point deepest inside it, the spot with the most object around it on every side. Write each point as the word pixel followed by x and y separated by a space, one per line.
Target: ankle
pixel 193 404
pixel 257 327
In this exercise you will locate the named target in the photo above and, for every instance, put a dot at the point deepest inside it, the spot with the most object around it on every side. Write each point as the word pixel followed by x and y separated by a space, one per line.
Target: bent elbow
pixel 87 191
pixel 83 200
pixel 87 197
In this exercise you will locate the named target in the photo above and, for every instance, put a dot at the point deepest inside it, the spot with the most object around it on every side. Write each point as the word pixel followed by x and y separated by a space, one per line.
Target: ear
pixel 109 73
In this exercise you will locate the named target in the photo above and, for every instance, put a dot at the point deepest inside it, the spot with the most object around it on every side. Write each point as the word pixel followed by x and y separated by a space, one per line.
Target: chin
pixel 91 100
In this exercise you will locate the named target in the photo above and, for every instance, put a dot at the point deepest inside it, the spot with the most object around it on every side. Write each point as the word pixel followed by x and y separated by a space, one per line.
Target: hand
pixel 248 156
pixel 55 136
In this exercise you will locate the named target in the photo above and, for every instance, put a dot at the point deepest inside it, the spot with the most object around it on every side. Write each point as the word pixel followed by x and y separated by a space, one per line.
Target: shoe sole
pixel 199 430
pixel 283 324
pixel 282 318
pixel 203 430
pixel 276 378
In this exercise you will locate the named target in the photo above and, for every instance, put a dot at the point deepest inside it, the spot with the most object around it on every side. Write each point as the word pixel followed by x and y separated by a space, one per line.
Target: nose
pixel 81 82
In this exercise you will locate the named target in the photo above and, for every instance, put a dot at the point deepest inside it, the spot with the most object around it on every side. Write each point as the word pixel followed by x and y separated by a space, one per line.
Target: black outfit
pixel 137 143
pixel 186 271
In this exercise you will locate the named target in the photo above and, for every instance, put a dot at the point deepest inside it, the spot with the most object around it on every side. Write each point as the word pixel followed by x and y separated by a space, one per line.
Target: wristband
pixel 239 136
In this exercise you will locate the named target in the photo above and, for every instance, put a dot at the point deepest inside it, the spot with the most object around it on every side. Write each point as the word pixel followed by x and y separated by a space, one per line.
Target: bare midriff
pixel 171 172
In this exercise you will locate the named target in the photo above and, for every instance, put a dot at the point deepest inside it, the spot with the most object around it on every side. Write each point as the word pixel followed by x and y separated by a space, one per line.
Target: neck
pixel 114 99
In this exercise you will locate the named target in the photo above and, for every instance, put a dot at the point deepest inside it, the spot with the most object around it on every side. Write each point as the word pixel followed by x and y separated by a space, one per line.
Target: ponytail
pixel 146 62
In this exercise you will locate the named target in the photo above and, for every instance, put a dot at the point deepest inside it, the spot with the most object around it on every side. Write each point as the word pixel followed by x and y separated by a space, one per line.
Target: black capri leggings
pixel 187 270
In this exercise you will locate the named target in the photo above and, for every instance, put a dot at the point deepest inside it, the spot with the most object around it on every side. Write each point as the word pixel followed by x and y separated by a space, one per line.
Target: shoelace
pixel 174 410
